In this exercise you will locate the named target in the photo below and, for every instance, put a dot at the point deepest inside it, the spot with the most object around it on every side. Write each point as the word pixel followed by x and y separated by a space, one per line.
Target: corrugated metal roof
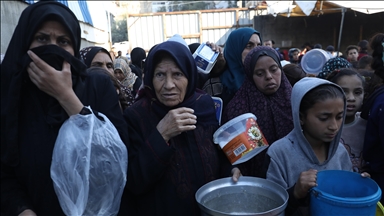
pixel 79 8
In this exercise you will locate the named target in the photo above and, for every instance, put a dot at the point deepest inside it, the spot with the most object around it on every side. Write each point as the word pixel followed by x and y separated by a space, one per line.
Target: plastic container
pixel 314 60
pixel 240 138
pixel 344 193
pixel 205 58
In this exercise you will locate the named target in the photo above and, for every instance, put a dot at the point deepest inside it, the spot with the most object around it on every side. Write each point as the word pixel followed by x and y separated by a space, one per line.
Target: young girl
pixel 318 113
pixel 354 127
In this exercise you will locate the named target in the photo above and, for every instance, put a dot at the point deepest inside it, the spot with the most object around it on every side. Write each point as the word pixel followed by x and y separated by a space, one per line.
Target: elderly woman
pixel 98 57
pixel 172 153
pixel 266 92
pixel 43 83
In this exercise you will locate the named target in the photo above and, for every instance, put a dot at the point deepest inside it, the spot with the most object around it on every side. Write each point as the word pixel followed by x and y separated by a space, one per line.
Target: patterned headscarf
pixel 333 64
pixel 130 77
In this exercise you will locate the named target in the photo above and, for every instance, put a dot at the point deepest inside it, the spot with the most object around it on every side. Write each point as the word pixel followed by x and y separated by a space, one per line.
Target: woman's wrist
pixel 71 103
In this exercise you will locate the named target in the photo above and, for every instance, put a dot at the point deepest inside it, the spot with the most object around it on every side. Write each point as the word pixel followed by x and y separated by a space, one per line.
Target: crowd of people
pixel 163 110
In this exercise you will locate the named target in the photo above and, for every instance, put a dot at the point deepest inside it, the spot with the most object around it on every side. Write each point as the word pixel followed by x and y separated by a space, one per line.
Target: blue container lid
pixel 346 187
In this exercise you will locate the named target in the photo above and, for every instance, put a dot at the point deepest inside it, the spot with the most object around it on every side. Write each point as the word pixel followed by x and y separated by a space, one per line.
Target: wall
pixel 323 29
pixel 10 13
pixel 146 30
pixel 90 36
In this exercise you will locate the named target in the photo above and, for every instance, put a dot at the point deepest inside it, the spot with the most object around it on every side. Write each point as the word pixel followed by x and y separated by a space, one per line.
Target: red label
pixel 245 142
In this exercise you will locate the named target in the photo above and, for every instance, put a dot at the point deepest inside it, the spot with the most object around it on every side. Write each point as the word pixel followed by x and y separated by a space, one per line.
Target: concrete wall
pixel 295 31
pixel 10 14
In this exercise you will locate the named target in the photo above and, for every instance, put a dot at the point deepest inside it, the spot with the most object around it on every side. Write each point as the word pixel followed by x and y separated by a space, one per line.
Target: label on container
pixel 245 142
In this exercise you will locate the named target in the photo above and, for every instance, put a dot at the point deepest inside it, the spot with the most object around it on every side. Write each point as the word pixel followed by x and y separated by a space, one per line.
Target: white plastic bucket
pixel 240 138
pixel 314 60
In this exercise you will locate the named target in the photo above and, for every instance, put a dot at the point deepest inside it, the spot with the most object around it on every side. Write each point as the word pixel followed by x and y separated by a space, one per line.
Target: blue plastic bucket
pixel 344 193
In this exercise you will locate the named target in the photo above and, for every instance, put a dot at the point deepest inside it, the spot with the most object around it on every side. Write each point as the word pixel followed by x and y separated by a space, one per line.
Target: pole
pixel 341 30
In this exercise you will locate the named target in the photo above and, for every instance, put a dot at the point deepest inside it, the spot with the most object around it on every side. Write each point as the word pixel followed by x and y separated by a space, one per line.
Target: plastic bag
pixel 89 166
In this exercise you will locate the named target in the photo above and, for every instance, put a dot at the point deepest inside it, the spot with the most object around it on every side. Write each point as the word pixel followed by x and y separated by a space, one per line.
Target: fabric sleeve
pixel 106 101
pixel 274 172
pixel 13 197
pixel 374 137
pixel 148 156
pixel 293 203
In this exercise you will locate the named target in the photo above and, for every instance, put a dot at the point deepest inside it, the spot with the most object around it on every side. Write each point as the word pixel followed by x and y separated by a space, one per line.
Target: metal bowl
pixel 249 196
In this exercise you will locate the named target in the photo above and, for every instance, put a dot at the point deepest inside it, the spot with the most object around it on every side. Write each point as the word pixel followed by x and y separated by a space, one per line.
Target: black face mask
pixel 55 56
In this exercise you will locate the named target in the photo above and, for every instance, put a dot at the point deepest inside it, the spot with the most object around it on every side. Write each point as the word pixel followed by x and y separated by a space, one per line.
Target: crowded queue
pixel 163 112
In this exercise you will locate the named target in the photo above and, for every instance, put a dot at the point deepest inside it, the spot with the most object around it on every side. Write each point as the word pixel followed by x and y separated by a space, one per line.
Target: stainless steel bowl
pixel 249 196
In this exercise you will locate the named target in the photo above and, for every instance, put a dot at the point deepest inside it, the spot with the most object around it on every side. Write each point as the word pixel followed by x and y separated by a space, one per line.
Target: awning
pixel 320 7
pixel 367 7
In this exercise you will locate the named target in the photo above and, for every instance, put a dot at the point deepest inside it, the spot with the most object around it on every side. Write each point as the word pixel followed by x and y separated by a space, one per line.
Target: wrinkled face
pixel 169 82
pixel 119 75
pixel 268 43
pixel 52 32
pixel 323 120
pixel 354 93
pixel 295 55
pixel 254 41
pixel 103 60
pixel 352 55
pixel 267 75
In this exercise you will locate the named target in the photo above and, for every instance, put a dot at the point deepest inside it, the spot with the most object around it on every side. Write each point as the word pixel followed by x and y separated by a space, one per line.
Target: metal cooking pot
pixel 249 196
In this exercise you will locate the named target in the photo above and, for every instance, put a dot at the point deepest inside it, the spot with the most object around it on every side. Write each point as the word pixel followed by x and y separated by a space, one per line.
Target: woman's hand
pixel 27 212
pixel 214 47
pixel 236 173
pixel 48 79
pixel 365 175
pixel 57 84
pixel 220 63
pixel 306 181
pixel 176 121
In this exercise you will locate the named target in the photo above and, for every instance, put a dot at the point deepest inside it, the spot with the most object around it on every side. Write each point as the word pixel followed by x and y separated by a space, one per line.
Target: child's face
pixel 323 120
pixel 352 55
pixel 354 92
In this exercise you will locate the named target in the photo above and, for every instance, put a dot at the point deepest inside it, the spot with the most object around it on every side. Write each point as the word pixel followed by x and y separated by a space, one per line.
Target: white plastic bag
pixel 89 166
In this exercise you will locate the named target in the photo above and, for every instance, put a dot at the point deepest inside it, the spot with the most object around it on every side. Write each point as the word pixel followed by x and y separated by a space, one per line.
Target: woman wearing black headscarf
pixel 172 153
pixel 137 56
pixel 43 82
pixel 95 56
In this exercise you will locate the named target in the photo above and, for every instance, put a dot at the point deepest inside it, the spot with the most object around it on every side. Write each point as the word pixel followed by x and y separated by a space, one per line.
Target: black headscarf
pixel 137 55
pixel 15 79
pixel 88 53
pixel 184 60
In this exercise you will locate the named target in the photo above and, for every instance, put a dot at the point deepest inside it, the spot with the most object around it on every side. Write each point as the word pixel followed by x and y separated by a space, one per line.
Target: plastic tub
pixel 314 60
pixel 344 193
pixel 240 138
